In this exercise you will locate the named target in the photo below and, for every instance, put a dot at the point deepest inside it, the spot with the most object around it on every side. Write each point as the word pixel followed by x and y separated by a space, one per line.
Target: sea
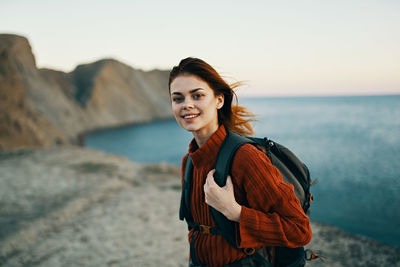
pixel 351 145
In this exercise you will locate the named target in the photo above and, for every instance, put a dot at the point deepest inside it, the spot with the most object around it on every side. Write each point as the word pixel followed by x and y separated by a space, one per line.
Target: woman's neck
pixel 201 137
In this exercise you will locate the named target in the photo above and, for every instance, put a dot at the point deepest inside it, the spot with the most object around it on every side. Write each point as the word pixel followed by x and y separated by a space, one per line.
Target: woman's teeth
pixel 190 116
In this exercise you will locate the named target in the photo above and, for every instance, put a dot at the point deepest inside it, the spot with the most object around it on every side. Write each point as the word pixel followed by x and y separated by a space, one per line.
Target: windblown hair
pixel 231 115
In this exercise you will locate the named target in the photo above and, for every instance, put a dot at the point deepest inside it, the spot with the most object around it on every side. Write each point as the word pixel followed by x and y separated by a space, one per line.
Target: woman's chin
pixel 187 125
pixel 190 128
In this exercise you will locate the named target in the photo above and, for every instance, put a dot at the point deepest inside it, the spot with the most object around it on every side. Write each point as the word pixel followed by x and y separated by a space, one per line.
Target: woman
pixel 263 207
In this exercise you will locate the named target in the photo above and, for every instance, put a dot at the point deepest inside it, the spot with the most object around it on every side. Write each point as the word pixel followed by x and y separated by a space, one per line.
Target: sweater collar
pixel 209 151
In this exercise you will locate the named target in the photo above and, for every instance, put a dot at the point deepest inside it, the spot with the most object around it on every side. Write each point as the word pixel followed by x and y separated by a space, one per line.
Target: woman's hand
pixel 222 198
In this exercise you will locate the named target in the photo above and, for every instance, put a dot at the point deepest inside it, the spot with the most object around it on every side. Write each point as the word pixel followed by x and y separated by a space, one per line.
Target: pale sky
pixel 282 47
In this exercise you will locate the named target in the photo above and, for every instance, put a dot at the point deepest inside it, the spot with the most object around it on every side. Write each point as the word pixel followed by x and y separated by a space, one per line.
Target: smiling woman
pixel 195 106
pixel 255 199
pixel 203 82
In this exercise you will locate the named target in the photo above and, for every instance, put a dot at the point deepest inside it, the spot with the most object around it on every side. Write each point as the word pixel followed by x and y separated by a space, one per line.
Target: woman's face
pixel 194 105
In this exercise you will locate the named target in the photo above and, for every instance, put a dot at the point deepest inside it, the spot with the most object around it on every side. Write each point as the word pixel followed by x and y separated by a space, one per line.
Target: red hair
pixel 232 116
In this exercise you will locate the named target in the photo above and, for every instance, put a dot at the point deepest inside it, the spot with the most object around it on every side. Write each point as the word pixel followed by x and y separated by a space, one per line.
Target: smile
pixel 190 116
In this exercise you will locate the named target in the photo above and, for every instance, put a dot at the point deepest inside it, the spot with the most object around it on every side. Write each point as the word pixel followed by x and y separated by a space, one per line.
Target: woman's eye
pixel 177 99
pixel 197 96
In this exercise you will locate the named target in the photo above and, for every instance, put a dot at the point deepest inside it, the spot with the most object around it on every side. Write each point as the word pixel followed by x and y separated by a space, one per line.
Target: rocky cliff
pixel 43 107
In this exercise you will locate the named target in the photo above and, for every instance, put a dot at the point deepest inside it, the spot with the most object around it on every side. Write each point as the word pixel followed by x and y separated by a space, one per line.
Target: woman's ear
pixel 220 101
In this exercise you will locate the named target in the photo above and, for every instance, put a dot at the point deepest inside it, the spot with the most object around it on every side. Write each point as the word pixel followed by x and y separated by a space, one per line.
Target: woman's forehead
pixel 188 83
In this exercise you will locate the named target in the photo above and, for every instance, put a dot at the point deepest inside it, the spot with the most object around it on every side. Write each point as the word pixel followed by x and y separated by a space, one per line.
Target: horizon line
pixel 317 95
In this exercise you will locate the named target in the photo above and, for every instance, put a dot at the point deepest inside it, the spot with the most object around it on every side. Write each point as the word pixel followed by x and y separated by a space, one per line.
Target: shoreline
pixel 82 135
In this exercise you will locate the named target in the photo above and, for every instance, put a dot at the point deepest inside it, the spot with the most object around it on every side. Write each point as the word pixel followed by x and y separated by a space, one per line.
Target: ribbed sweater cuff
pixel 248 220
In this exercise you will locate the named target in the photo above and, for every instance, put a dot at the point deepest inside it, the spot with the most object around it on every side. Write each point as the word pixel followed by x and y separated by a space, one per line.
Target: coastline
pixel 82 135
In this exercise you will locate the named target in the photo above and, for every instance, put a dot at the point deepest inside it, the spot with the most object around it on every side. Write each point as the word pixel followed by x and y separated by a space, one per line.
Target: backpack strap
pixel 184 210
pixel 231 144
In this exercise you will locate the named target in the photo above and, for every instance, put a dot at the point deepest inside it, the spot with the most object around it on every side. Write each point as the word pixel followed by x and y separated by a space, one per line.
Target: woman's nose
pixel 188 104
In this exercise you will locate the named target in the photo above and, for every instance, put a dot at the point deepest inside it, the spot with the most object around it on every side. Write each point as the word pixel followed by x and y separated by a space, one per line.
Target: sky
pixel 277 48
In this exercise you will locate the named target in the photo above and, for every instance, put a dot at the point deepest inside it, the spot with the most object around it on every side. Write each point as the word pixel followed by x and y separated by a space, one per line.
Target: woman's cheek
pixel 175 111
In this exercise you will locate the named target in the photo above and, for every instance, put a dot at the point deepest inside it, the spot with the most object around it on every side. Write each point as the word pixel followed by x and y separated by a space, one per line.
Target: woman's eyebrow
pixel 176 93
pixel 191 91
pixel 195 90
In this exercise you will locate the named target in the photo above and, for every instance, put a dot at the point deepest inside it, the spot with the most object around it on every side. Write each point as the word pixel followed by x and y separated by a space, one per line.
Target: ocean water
pixel 351 144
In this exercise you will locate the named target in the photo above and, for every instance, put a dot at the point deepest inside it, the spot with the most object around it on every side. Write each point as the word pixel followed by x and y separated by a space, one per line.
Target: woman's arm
pixel 274 215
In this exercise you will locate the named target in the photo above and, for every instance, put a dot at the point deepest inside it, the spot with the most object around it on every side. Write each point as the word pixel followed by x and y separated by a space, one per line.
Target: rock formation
pixel 20 125
pixel 43 107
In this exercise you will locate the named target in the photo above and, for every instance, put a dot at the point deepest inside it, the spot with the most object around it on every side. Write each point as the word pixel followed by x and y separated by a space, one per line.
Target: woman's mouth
pixel 190 117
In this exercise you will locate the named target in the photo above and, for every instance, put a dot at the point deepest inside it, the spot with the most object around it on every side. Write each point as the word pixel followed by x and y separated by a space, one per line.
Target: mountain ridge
pixel 45 107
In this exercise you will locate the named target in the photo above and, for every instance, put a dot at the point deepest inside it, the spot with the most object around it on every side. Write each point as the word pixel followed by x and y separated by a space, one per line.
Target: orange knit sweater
pixel 271 214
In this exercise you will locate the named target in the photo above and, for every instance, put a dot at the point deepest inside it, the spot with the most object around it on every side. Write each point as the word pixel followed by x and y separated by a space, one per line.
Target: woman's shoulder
pixel 249 151
pixel 249 159
pixel 248 155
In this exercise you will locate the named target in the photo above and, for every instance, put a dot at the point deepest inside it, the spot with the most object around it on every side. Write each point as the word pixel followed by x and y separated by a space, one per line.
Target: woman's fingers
pixel 210 177
pixel 210 188
pixel 210 182
pixel 221 198
pixel 229 184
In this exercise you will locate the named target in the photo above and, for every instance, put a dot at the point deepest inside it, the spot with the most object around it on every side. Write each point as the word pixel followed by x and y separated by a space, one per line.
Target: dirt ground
pixel 70 206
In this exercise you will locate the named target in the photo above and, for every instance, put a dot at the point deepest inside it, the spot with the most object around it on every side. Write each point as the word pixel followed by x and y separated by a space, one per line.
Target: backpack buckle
pixel 249 251
pixel 205 229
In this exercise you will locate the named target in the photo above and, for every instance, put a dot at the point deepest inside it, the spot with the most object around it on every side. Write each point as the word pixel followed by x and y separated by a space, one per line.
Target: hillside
pixel 44 107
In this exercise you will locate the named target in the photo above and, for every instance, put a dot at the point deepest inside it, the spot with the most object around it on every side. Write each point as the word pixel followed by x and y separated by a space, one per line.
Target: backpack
pixel 292 170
